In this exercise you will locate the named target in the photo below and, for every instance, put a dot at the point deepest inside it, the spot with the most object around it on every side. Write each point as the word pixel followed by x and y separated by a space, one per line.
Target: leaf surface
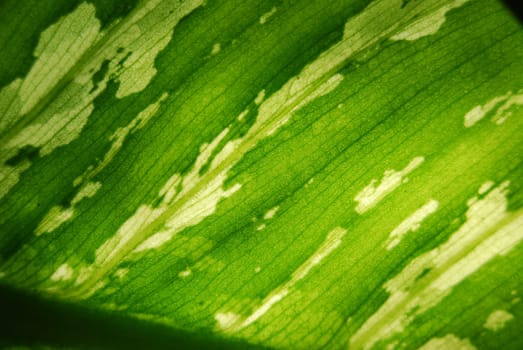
pixel 292 174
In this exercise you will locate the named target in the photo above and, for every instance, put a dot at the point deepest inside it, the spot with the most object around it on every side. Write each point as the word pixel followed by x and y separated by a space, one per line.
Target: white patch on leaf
pixel 158 19
pixel 271 212
pixel 216 48
pixel 450 341
pixel 63 273
pixel 58 215
pixel 226 320
pixel 121 272
pixel 411 223
pixel 242 115
pixel 497 320
pixel 501 104
pixel 54 218
pixel 489 231
pixel 185 273
pixel 113 247
pixel 429 24
pixel 485 187
pixel 60 46
pixel 260 97
pixel 374 192
pixel 265 17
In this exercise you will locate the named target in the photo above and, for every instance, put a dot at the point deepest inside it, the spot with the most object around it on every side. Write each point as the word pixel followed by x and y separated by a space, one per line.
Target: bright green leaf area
pixel 285 174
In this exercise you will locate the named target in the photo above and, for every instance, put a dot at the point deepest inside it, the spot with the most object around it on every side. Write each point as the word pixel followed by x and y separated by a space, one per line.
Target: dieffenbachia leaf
pixel 290 174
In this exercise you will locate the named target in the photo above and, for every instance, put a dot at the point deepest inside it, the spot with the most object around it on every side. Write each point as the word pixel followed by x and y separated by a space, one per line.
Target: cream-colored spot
pixel 411 223
pixel 185 273
pixel 270 213
pixel 143 216
pixel 497 320
pixel 216 48
pixel 373 193
pixel 505 110
pixel 257 269
pixel 242 115
pixel 58 215
pixel 60 46
pixel 63 273
pixel 501 104
pixel 54 218
pixel 121 272
pixel 429 24
pixel 261 227
pixel 158 19
pixel 485 187
pixel 226 320
pixel 265 17
pixel 260 97
pixel 450 342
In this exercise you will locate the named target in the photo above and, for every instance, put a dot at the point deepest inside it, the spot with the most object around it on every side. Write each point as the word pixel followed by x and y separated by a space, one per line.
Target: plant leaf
pixel 291 174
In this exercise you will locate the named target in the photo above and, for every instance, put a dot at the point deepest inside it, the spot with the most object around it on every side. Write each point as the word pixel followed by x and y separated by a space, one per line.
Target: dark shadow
pixel 516 6
pixel 29 320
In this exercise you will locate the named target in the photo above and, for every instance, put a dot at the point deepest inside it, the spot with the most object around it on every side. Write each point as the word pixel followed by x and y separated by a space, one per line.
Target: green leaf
pixel 283 174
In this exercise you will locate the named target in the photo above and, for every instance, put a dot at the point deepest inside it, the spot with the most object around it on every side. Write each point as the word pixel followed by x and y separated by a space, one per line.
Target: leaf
pixel 285 174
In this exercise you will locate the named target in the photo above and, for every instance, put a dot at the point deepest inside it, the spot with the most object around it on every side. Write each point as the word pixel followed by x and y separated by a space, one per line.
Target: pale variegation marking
pixel 185 273
pixel 60 46
pixel 261 227
pixel 331 242
pixel 257 269
pixel 201 204
pixel 242 115
pixel 227 319
pixel 504 111
pixel 58 214
pixel 485 187
pixel 66 42
pixel 265 17
pixel 216 48
pixel 260 97
pixel 411 223
pixel 374 192
pixel 449 342
pixel 428 25
pixel 9 175
pixel 321 90
pixel 121 272
pixel 488 232
pixel 63 273
pixel 501 104
pixel 271 213
pixel 157 18
pixel 497 320
pixel 118 138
